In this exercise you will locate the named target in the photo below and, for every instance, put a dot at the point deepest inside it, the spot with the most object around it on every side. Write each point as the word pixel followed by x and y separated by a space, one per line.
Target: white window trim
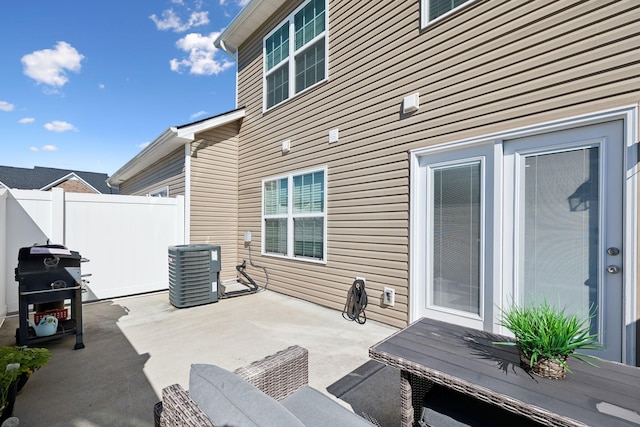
pixel 417 223
pixel 292 54
pixel 158 191
pixel 424 12
pixel 290 217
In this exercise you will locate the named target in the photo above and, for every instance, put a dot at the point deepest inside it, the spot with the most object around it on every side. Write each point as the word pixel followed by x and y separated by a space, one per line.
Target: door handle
pixel 613 251
pixel 613 269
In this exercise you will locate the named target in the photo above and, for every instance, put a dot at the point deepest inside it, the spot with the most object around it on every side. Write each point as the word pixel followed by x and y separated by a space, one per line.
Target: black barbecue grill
pixel 49 274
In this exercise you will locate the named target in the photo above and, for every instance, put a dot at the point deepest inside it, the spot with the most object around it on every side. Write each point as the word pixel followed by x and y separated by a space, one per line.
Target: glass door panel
pixel 564 218
pixel 560 224
pixel 456 234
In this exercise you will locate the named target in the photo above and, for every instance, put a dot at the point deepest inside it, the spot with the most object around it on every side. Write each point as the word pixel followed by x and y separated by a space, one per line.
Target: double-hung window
pixel 295 53
pixel 294 215
pixel 435 9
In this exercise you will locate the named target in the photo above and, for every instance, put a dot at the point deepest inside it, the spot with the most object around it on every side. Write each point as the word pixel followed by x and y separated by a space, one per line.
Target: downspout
pixel 187 193
pixel 234 56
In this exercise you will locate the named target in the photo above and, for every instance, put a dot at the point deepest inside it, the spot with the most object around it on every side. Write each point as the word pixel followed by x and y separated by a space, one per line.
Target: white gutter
pixel 245 23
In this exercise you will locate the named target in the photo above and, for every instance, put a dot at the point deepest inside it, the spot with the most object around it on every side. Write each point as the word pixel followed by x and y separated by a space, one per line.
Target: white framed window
pixel 295 54
pixel 159 192
pixel 294 220
pixel 433 10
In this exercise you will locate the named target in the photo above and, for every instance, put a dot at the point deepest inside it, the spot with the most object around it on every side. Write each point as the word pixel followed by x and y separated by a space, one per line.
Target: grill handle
pixel 47 291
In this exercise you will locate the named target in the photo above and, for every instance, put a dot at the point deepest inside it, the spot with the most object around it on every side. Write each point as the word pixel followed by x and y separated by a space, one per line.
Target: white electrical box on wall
pixel 286 146
pixel 389 296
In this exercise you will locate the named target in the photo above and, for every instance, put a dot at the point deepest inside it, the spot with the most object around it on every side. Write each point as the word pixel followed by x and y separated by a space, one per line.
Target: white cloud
pixel 100 85
pixel 198 114
pixel 241 3
pixel 44 148
pixel 5 106
pixel 50 66
pixel 26 120
pixel 58 126
pixel 171 21
pixel 144 145
pixel 201 52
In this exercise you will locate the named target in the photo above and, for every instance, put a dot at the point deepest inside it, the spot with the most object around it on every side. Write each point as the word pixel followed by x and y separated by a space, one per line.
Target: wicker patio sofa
pixel 273 391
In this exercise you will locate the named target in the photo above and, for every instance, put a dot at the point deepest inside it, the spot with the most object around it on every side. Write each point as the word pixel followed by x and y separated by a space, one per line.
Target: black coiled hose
pixel 356 303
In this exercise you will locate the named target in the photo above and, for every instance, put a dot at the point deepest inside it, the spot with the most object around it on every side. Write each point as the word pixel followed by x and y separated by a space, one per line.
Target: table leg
pixel 413 390
pixel 406 401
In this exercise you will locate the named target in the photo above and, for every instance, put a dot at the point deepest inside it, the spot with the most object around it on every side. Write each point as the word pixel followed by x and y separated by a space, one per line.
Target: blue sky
pixel 84 85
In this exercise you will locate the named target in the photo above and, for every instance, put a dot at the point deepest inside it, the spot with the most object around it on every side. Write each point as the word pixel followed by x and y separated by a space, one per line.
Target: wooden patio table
pixel 467 360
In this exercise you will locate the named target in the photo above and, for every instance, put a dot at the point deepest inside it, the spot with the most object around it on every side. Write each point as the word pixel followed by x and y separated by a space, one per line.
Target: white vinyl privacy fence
pixel 125 238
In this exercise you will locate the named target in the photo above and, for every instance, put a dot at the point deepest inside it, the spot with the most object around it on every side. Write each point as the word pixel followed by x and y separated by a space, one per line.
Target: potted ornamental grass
pixel 9 374
pixel 547 337
pixel 17 363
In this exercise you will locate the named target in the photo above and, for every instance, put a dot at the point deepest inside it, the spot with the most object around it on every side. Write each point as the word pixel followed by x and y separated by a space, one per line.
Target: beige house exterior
pixel 472 156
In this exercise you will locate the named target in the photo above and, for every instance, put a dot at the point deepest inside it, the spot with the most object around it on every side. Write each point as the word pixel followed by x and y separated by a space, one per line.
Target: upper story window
pixel 159 192
pixel 294 215
pixel 295 53
pixel 435 9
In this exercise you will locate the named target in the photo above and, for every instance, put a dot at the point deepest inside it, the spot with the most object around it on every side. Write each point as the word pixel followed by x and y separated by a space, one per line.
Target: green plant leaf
pixel 542 331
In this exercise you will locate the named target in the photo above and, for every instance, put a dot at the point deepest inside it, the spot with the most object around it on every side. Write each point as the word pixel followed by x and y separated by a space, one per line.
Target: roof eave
pixel 171 139
pixel 160 147
pixel 251 17
pixel 66 178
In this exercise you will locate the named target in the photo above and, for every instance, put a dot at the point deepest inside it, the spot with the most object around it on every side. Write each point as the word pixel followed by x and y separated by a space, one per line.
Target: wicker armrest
pixel 277 375
pixel 179 410
pixel 280 374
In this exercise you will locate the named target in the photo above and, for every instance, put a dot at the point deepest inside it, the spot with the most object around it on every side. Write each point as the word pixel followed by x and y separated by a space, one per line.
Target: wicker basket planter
pixel 549 335
pixel 544 367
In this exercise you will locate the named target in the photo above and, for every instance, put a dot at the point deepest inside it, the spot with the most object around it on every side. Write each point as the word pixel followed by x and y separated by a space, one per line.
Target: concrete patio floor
pixel 135 346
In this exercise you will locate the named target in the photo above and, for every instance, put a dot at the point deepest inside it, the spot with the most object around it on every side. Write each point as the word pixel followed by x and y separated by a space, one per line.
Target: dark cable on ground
pixel 266 275
pixel 356 303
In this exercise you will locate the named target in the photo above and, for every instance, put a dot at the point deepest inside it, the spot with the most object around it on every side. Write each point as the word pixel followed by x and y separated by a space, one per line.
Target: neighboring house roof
pixel 245 23
pixel 168 141
pixel 40 178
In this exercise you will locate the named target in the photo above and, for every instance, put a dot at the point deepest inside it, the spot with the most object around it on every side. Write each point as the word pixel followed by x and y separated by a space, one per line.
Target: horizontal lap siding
pixel 495 66
pixel 169 171
pixel 214 193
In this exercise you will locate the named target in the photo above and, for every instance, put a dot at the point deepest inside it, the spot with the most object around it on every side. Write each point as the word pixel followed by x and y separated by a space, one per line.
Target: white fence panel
pixel 28 220
pixel 124 237
pixel 3 251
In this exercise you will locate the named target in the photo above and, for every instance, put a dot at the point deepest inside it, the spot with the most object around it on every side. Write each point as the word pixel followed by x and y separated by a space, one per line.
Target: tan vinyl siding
pixel 496 65
pixel 169 171
pixel 214 193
